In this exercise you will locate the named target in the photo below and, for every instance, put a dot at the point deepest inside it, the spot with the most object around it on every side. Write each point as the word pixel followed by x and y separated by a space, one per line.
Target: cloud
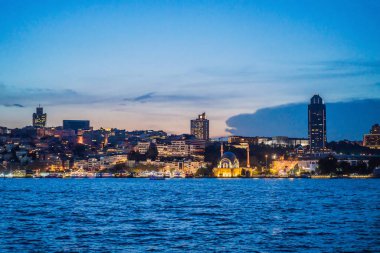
pixel 275 72
pixel 142 98
pixel 14 105
pixel 348 63
pixel 21 97
pixel 159 98
pixel 337 69
pixel 345 120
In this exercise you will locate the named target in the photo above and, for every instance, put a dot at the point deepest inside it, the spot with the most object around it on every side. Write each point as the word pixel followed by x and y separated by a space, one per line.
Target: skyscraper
pixel 317 124
pixel 39 117
pixel 200 127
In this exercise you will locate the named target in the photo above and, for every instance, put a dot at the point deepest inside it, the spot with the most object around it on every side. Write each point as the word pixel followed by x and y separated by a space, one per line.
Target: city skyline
pixel 199 127
pixel 189 126
pixel 162 56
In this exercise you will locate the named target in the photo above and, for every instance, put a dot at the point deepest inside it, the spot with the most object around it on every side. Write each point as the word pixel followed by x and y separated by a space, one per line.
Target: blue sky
pixel 157 64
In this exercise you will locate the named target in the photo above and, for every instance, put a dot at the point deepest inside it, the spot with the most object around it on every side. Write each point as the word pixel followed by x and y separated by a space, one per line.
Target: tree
pixel 204 172
pixel 152 152
pixel 327 165
pixel 212 153
pixel 79 150
pixel 362 169
pixel 373 162
pixel 346 167
pixel 136 156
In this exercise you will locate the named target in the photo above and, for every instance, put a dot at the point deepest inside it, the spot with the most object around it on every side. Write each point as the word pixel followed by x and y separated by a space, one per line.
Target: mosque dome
pixel 228 161
pixel 229 155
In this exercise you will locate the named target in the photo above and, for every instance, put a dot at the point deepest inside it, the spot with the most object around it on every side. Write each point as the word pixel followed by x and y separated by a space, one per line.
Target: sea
pixel 189 215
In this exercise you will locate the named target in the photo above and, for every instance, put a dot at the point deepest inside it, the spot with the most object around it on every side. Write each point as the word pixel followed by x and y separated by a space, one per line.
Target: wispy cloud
pixel 155 97
pixel 143 98
pixel 17 97
pixel 275 72
pixel 337 69
pixel 13 105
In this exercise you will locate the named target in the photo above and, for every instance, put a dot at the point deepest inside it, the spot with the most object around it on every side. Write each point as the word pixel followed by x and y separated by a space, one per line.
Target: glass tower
pixel 200 127
pixel 317 124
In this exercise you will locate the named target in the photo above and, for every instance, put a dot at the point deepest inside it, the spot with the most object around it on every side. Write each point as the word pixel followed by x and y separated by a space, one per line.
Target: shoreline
pixel 259 177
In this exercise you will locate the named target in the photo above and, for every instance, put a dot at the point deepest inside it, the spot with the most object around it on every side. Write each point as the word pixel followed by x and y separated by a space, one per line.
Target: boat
pixel 104 175
pixel 157 176
pixel 145 174
pixel 54 175
pixel 81 173
pixel 177 174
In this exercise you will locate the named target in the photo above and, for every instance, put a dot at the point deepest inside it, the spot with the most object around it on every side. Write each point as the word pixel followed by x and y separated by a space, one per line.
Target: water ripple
pixel 206 215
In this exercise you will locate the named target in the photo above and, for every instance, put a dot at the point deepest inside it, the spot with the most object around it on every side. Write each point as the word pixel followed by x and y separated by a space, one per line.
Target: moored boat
pixel 157 176
pixel 177 174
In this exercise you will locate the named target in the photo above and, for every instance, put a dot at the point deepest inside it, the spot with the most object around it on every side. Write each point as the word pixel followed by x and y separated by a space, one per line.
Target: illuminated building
pixel 183 148
pixel 242 139
pixel 317 124
pixel 229 166
pixel 275 141
pixel 39 117
pixel 143 147
pixel 200 127
pixel 80 139
pixel 372 140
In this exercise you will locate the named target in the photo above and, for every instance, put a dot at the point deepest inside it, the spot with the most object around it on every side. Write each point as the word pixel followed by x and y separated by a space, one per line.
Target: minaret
pixel 248 161
pixel 221 149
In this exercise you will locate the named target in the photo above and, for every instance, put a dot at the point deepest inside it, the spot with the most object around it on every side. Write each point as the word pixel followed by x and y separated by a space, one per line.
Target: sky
pixel 158 64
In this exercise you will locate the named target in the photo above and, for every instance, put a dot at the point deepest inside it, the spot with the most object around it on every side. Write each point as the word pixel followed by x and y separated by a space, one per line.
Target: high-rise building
pixel 39 117
pixel 317 124
pixel 372 140
pixel 200 127
pixel 76 125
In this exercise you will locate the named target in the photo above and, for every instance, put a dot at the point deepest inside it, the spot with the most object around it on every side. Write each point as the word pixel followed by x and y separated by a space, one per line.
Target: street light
pixel 266 164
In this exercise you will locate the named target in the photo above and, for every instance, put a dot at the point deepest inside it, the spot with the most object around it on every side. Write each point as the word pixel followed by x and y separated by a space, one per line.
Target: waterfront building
pixel 372 140
pixel 183 166
pixel 182 148
pixel 308 165
pixel 76 125
pixel 317 124
pixel 39 117
pixel 275 141
pixel 200 127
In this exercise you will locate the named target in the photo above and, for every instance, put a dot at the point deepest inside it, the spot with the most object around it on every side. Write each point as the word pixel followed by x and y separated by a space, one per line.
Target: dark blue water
pixel 197 215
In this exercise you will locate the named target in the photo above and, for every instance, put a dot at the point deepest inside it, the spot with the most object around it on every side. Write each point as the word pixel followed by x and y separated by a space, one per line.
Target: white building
pixel 308 165
pixel 143 147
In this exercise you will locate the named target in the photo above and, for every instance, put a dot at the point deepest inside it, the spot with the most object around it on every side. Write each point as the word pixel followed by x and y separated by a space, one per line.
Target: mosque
pixel 228 165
